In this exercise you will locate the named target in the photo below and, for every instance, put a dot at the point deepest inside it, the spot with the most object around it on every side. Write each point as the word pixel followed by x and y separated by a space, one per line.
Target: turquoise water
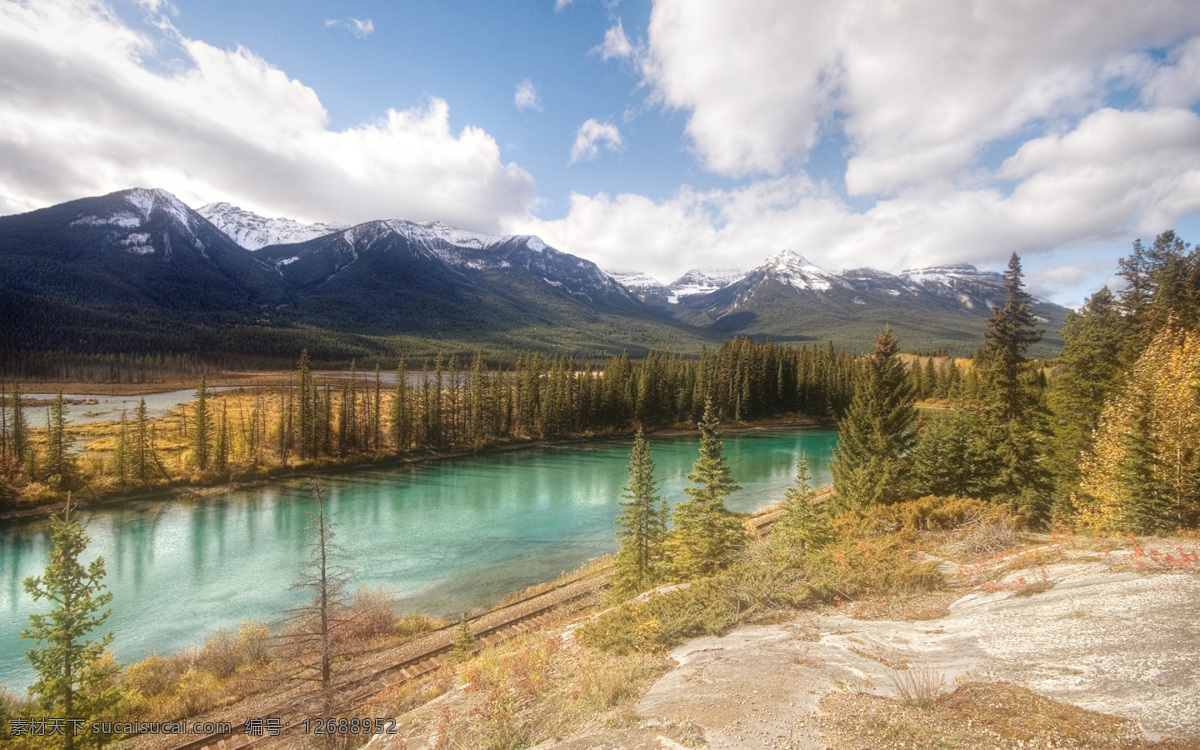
pixel 443 536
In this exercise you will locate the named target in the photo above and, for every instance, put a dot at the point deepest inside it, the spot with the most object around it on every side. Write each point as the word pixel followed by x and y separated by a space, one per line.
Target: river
pixel 443 536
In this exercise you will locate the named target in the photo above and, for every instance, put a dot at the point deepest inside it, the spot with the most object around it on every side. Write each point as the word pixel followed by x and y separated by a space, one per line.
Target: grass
pixel 532 689
pixel 976 715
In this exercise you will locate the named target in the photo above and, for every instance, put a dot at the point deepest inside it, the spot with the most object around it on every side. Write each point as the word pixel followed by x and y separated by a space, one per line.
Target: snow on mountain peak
pixel 799 273
pixel 254 232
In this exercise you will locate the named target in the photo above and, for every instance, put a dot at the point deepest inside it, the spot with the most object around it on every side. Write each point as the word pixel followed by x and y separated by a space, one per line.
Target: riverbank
pixel 87 497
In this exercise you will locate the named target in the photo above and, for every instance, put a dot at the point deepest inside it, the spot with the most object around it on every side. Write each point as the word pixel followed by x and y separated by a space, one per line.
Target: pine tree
pixel 802 527
pixel 642 525
pixel 1089 371
pixel 60 464
pixel 18 430
pixel 870 464
pixel 308 408
pixel 73 679
pixel 1011 405
pixel 201 427
pixel 139 460
pixel 121 451
pixel 706 537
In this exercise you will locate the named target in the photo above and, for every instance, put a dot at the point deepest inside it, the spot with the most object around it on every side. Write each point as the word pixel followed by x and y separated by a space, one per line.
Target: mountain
pixel 664 298
pixel 137 271
pixel 391 277
pixel 791 298
pixel 253 232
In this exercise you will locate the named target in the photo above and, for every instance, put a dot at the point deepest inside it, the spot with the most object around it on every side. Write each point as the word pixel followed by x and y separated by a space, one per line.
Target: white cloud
pixel 1116 176
pixel 615 45
pixel 560 4
pixel 358 28
pixel 918 87
pixel 84 115
pixel 1177 85
pixel 590 136
pixel 527 96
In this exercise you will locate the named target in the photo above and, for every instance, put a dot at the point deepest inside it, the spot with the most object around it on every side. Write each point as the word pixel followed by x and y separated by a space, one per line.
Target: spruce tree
pixel 139 459
pixel 870 464
pixel 1089 371
pixel 73 680
pixel 60 464
pixel 1011 405
pixel 201 427
pixel 18 431
pixel 642 525
pixel 802 527
pixel 706 537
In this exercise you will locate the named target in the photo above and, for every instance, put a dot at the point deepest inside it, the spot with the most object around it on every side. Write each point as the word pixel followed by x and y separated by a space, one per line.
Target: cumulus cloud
pixel 918 88
pixel 356 27
pixel 615 45
pixel 1115 176
pixel 590 136
pixel 560 4
pixel 527 96
pixel 85 115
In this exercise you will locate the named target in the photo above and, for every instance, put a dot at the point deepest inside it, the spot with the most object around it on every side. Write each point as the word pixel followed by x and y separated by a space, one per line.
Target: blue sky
pixel 655 135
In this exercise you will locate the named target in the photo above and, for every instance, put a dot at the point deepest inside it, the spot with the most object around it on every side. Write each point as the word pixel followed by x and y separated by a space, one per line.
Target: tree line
pixel 450 404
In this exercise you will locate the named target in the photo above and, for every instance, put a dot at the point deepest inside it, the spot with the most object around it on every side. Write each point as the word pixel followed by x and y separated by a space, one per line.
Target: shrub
pixel 928 514
pixel 371 614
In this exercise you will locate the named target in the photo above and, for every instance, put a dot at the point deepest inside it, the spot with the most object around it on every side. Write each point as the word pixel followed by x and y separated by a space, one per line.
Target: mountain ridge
pixel 143 251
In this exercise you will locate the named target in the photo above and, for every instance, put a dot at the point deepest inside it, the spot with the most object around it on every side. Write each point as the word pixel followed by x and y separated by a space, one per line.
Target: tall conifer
pixel 706 537
pixel 642 525
pixel 870 463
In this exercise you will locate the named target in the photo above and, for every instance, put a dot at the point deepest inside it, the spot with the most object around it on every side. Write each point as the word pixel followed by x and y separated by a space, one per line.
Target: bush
pixel 371 614
pixel 152 676
pixel 932 513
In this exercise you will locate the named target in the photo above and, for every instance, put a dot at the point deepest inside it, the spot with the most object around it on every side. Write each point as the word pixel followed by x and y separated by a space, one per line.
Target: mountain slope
pixel 790 298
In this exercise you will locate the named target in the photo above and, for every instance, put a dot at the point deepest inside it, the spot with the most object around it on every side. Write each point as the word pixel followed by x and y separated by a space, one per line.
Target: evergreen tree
pixel 201 427
pixel 802 527
pixel 706 537
pixel 18 430
pixel 121 451
pixel 1089 371
pixel 642 525
pixel 73 679
pixel 950 456
pixel 308 408
pixel 60 464
pixel 139 459
pixel 1011 406
pixel 870 464
pixel 1143 471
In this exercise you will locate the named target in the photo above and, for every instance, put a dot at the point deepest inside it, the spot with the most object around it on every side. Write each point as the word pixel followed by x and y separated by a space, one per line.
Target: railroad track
pixel 421 664
pixel 431 659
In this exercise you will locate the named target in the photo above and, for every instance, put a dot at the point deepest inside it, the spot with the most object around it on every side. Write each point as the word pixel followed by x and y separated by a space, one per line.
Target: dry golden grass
pixel 976 715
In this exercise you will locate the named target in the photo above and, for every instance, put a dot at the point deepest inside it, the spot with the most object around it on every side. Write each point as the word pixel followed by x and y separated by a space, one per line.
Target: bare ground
pixel 1084 652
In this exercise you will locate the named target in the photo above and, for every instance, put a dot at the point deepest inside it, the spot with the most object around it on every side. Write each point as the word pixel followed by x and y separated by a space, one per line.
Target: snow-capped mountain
pixel 659 295
pixel 702 281
pixel 252 231
pixel 641 283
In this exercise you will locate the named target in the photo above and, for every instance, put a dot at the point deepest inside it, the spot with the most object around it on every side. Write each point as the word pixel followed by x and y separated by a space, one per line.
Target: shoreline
pixel 197 491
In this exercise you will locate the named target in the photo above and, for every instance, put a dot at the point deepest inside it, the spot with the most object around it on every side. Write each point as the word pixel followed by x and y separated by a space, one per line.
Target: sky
pixel 651 135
